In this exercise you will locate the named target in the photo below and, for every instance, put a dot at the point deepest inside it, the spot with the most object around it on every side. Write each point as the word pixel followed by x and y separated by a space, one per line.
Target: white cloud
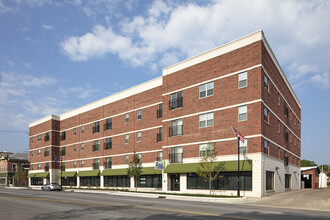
pixel 47 27
pixel 298 32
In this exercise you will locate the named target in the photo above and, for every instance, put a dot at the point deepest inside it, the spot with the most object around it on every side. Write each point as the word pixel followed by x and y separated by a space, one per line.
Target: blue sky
pixel 59 55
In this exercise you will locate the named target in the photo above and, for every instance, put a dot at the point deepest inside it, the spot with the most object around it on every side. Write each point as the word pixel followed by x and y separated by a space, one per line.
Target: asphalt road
pixel 35 204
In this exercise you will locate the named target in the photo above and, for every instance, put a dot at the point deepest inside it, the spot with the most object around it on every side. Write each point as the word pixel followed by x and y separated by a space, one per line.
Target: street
pixel 36 204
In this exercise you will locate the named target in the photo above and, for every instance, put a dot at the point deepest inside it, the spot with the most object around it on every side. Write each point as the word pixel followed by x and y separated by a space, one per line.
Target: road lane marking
pixel 138 207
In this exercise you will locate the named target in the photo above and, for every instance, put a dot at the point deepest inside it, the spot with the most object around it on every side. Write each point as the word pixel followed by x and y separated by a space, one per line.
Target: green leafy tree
pixel 208 168
pixel 21 176
pixel 135 169
pixel 307 163
pixel 325 168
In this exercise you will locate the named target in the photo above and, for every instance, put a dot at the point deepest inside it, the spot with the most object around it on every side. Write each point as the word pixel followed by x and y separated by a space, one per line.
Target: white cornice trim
pixel 42 120
pixel 218 51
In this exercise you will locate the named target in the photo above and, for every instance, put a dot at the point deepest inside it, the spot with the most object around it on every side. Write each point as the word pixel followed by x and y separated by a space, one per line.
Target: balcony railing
pixel 176 103
pixel 46 168
pixel 96 166
pixel 159 137
pixel 159 113
pixel 96 147
pixel 107 126
pixel 107 145
pixel 175 130
pixel 46 153
pixel 176 158
pixel 107 165
pixel 96 129
pixel 63 153
pixel 46 138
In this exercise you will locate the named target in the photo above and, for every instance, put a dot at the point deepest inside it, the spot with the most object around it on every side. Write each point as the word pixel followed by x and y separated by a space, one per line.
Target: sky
pixel 56 56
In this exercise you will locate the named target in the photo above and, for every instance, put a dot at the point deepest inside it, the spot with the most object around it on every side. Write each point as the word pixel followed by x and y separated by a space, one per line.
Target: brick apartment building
pixel 172 118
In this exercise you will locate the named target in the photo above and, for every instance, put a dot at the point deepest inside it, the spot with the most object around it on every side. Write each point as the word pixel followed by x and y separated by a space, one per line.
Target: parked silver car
pixel 51 187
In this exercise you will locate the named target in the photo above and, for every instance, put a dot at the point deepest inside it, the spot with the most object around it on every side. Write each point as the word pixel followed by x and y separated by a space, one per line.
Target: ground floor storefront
pixel 259 175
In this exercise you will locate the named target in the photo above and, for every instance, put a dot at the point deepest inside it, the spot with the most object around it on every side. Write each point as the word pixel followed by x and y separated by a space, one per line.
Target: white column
pixel 101 177
pixel 29 181
pixel 183 182
pixel 164 182
pixel 132 183
pixel 78 182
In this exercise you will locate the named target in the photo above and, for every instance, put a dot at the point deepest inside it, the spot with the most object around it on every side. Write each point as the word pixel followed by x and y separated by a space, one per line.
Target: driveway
pixel 307 199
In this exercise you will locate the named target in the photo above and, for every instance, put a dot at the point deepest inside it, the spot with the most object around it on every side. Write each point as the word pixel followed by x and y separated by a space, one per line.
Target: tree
pixel 21 176
pixel 307 163
pixel 135 169
pixel 208 168
pixel 325 168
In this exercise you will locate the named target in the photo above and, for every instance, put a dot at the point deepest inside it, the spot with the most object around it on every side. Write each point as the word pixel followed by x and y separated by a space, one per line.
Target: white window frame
pixel 82 146
pixel 242 77
pixel 242 110
pixel 139 114
pixel 266 115
pixel 266 82
pixel 126 138
pixel 138 136
pixel 206 88
pixel 266 143
pixel 126 159
pixel 202 148
pixel 126 117
pixel 207 118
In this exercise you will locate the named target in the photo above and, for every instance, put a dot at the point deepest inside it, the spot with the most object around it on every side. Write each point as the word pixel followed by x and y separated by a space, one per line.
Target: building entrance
pixel 175 182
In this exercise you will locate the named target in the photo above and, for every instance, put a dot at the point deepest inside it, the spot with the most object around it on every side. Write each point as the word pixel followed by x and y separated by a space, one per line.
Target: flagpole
pixel 238 179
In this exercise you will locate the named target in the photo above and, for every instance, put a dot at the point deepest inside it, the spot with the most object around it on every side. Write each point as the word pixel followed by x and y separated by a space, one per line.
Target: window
pixel 139 156
pixel 243 147
pixel 266 117
pixel 46 138
pixel 269 180
pixel 126 117
pixel 117 181
pixel 75 131
pixel 160 156
pixel 108 163
pixel 286 160
pixel 96 127
pixel 139 116
pixel 96 145
pixel 31 139
pixel 63 166
pixel 89 181
pixel 39 137
pixel 286 135
pixel 242 113
pixel 39 152
pixel 63 136
pixel 74 148
pixel 266 82
pixel 82 129
pixel 108 124
pixel 126 159
pixel 176 155
pixel 160 134
pixel 39 166
pixel 206 90
pixel 278 126
pixel 82 163
pixel 14 167
pixel 74 164
pixel 96 164
pixel 176 100
pixel 278 99
pixel 32 153
pixel 108 143
pixel 242 80
pixel 63 151
pixel 205 149
pixel 266 146
pixel 160 110
pixel 286 110
pixel 206 120
pixel 82 146
pixel 288 181
pixel 176 127
pixel 46 167
pixel 126 138
pixel 150 181
pixel 46 153
pixel 138 136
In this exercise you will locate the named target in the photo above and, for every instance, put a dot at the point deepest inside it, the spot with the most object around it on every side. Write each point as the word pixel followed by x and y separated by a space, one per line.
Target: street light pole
pixel 238 179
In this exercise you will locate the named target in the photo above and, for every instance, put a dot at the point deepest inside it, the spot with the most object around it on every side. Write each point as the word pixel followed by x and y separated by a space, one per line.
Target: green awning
pixel 245 165
pixel 150 170
pixel 89 173
pixel 114 172
pixel 44 174
pixel 31 175
pixel 68 174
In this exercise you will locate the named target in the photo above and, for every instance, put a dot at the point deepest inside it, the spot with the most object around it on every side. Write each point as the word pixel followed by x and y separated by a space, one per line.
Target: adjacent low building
pixel 172 118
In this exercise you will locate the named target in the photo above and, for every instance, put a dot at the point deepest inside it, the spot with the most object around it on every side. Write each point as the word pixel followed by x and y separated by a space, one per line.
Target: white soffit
pixel 47 118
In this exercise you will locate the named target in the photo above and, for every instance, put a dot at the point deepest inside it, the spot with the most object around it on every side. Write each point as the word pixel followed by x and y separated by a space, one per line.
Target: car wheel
pixel 42 188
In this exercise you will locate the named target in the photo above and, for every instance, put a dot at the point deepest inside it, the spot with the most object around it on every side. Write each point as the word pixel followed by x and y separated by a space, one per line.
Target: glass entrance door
pixel 175 182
